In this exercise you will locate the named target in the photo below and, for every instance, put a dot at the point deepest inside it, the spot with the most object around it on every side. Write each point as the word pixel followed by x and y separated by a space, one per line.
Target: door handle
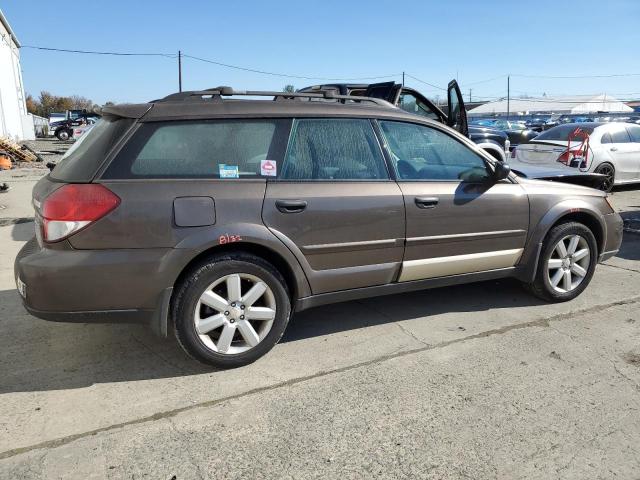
pixel 291 206
pixel 614 149
pixel 426 202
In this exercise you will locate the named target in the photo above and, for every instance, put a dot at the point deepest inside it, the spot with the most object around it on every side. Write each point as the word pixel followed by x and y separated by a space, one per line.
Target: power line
pixel 426 83
pixel 579 76
pixel 286 75
pixel 123 54
pixel 486 80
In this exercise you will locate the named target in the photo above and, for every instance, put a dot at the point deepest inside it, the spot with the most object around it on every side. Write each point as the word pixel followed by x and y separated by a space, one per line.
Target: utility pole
pixel 508 95
pixel 469 95
pixel 402 79
pixel 179 70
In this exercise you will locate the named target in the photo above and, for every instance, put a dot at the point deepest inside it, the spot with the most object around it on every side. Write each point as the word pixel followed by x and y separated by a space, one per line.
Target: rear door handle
pixel 614 149
pixel 291 206
pixel 426 202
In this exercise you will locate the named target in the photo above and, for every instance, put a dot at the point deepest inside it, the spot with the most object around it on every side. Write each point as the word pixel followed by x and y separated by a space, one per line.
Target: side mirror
pixel 501 171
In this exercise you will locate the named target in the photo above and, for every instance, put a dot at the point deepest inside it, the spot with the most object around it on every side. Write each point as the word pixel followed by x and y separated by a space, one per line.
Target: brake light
pixel 73 207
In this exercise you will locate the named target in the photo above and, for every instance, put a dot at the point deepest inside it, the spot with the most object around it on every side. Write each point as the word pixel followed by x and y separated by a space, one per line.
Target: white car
pixel 613 150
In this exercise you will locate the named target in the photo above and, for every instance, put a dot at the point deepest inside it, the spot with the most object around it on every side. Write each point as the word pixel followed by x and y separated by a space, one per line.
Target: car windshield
pixel 562 132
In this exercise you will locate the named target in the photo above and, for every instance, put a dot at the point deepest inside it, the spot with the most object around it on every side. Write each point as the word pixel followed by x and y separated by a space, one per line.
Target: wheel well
pixel 589 221
pixel 261 251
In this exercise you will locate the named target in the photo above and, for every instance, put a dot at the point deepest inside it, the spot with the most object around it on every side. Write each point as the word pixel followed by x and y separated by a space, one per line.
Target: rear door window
pixel 620 135
pixel 333 149
pixel 201 149
pixel 634 133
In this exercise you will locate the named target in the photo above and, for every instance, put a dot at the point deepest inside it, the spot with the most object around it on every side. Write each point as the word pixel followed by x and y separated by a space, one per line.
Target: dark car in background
pixel 517 131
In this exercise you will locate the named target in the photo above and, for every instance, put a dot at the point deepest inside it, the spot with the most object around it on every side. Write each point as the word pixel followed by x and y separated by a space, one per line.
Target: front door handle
pixel 426 202
pixel 291 206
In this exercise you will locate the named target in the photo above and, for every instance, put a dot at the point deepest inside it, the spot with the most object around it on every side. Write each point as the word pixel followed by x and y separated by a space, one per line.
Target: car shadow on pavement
pixel 22 230
pixel 470 298
pixel 38 356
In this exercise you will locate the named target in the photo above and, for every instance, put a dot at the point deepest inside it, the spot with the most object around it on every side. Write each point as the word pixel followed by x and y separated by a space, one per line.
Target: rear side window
pixel 83 159
pixel 333 149
pixel 201 149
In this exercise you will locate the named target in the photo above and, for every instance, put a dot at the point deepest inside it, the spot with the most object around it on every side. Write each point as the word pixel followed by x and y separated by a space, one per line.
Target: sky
pixel 477 42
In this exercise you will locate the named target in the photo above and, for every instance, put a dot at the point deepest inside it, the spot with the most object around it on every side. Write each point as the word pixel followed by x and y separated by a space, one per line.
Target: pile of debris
pixel 11 151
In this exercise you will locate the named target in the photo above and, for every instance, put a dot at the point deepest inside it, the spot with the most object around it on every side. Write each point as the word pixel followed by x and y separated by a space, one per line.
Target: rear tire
pixel 566 264
pixel 609 170
pixel 218 329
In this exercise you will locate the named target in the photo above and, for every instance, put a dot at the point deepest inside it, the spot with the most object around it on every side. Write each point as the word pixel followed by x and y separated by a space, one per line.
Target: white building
pixel 14 120
pixel 573 104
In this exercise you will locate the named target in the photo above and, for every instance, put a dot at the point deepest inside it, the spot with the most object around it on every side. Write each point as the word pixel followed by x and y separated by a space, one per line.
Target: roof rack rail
pixel 217 93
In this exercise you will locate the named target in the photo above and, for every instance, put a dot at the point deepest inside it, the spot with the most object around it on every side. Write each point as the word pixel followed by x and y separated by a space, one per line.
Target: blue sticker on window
pixel 228 171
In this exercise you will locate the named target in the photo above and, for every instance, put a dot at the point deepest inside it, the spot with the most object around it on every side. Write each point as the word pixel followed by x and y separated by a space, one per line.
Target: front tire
pixel 63 135
pixel 230 310
pixel 567 262
pixel 609 171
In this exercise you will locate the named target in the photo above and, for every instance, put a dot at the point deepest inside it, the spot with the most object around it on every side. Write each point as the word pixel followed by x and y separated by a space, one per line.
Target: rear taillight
pixel 72 207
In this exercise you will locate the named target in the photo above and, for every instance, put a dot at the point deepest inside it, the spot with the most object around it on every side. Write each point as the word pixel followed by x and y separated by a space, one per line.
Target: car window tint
pixel 634 133
pixel 409 103
pixel 562 132
pixel 620 135
pixel 333 149
pixel 200 149
pixel 84 158
pixel 606 138
pixel 425 153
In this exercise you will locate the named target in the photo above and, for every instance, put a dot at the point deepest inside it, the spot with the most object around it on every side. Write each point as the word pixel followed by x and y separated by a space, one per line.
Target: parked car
pixel 517 132
pixel 613 150
pixel 215 219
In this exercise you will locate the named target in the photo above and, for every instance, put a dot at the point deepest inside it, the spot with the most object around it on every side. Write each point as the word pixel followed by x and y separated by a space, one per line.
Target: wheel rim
pixel 606 170
pixel 568 263
pixel 235 313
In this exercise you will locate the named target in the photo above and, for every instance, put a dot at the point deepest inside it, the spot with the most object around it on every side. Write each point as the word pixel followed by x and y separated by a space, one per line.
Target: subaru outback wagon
pixel 213 217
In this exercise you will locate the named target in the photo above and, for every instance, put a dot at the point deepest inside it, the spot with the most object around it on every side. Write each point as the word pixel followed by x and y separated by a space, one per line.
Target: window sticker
pixel 228 171
pixel 268 168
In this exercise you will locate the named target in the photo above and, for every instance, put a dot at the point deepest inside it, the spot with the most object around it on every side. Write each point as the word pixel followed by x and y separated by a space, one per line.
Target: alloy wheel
pixel 568 263
pixel 235 313
pixel 608 171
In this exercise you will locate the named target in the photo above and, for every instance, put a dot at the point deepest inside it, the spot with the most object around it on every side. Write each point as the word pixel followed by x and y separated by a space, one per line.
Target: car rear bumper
pixel 68 285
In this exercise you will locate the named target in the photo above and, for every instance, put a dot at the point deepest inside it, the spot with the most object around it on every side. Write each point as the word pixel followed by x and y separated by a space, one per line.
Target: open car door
pixel 389 91
pixel 457 115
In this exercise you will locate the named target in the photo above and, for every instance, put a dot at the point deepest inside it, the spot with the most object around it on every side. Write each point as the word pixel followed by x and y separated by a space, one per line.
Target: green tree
pixel 289 89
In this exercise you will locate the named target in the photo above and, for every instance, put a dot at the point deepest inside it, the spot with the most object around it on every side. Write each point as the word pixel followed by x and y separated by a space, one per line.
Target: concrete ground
pixel 477 381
